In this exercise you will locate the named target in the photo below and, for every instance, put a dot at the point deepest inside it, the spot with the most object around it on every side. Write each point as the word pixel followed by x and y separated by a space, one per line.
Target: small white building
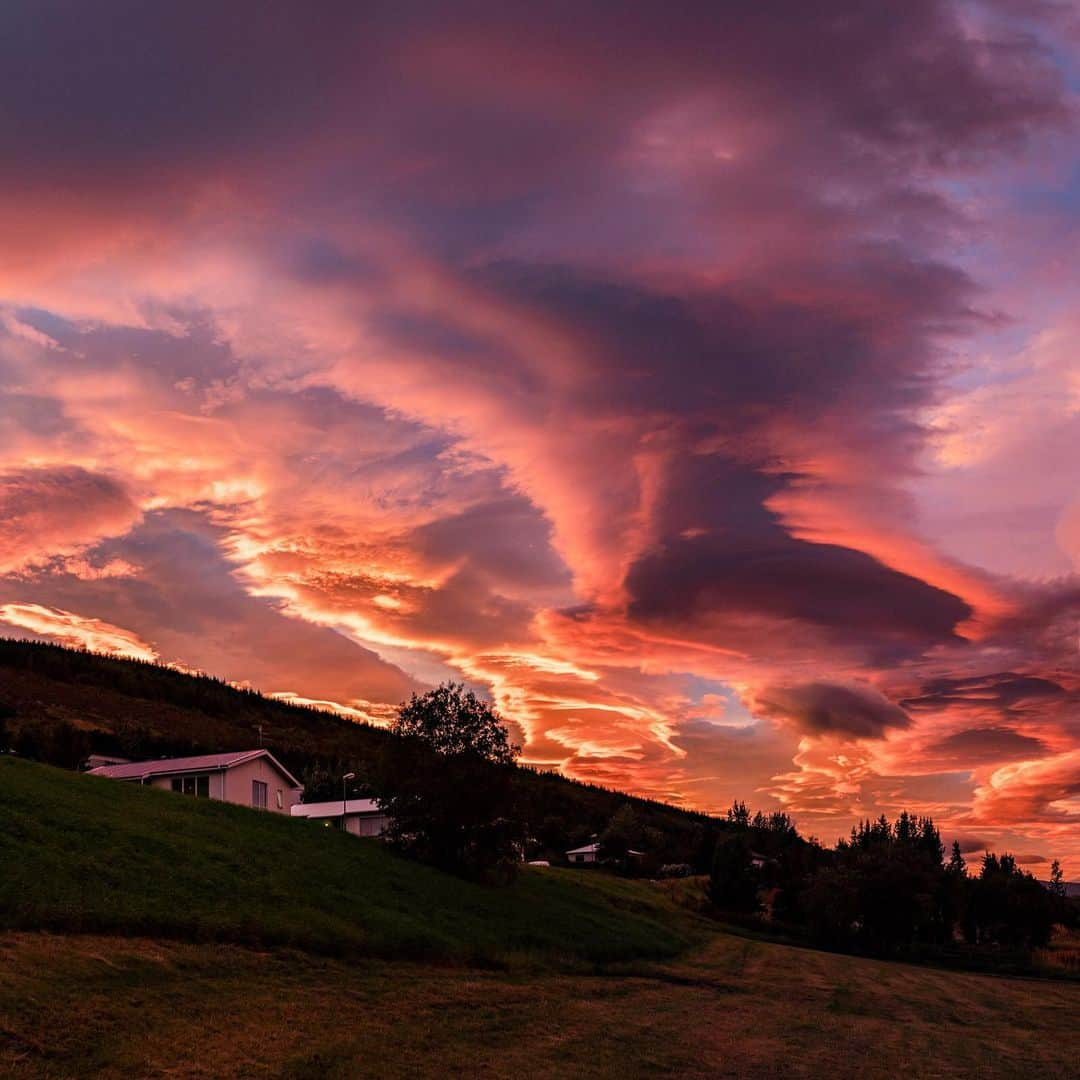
pixel 361 817
pixel 587 854
pixel 590 853
pixel 246 777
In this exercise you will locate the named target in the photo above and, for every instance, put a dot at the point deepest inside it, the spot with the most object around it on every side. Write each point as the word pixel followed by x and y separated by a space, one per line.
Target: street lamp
pixel 344 780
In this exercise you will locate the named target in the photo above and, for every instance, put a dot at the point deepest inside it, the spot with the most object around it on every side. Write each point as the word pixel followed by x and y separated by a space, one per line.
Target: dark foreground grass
pixel 103 1008
pixel 89 855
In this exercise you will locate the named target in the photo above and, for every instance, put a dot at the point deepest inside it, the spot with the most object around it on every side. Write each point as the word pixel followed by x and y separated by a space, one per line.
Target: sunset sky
pixel 700 381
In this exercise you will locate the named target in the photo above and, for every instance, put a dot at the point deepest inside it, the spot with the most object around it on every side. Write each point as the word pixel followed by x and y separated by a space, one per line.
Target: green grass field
pixel 86 854
pixel 202 940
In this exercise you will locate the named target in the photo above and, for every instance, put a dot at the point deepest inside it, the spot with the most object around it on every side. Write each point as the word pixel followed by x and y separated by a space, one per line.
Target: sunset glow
pixel 702 388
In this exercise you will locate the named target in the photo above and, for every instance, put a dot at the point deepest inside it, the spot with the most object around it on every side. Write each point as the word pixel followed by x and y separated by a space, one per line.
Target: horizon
pixel 699 387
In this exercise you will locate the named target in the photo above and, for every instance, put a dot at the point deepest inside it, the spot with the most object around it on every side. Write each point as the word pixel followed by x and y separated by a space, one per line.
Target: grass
pixel 91 1007
pixel 245 945
pixel 90 855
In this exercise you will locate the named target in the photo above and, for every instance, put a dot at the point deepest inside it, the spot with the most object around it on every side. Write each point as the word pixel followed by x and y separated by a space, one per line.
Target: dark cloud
pixel 971 844
pixel 843 591
pixel 821 708
pixel 506 541
pixel 1003 690
pixel 977 746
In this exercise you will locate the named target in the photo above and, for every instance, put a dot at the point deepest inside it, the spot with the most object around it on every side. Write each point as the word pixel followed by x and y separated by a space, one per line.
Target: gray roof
pixel 137 770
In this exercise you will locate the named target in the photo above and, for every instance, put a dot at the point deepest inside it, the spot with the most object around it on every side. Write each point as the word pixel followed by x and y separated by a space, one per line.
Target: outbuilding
pixel 361 817
pixel 590 855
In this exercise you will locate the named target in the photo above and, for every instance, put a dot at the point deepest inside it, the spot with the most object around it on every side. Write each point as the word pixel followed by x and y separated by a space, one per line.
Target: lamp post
pixel 344 780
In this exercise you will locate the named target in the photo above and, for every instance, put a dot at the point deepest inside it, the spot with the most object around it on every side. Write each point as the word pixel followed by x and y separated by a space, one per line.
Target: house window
pixel 280 799
pixel 258 794
pixel 199 786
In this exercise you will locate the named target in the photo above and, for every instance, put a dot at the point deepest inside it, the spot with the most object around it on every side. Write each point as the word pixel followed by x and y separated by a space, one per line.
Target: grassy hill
pixel 65 703
pixel 215 941
pixel 83 854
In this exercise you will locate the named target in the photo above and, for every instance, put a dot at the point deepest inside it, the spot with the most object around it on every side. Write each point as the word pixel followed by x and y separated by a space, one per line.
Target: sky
pixel 700 382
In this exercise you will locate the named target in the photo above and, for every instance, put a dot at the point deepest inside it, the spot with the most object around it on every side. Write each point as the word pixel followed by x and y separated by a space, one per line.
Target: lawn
pixel 86 854
pixel 86 1006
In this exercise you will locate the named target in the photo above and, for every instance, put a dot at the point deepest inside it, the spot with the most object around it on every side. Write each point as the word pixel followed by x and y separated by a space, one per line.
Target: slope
pixel 83 854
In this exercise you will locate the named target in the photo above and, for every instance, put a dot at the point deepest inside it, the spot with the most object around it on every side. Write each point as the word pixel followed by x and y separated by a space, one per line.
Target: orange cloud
pixel 78 631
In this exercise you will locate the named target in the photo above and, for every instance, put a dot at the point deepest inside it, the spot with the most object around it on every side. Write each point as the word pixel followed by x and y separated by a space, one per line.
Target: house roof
pixel 594 849
pixel 137 770
pixel 333 808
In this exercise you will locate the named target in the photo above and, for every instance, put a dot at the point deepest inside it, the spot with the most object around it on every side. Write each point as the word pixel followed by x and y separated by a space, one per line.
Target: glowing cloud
pixel 78 631
pixel 703 389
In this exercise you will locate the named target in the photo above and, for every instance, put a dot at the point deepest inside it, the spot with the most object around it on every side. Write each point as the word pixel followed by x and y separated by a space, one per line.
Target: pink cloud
pixel 621 372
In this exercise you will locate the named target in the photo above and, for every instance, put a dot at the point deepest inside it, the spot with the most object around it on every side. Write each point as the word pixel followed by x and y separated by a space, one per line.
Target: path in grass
pixel 103 1007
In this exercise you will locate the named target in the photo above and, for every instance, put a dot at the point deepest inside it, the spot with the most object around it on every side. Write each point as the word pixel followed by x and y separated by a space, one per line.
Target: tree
pixel 1009 907
pixel 622 834
pixel 1057 880
pixel 453 720
pixel 733 883
pixel 7 712
pixel 447 785
pixel 957 865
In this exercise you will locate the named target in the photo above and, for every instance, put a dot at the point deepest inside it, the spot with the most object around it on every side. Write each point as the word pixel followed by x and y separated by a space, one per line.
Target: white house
pixel 245 777
pixel 361 817
pixel 590 853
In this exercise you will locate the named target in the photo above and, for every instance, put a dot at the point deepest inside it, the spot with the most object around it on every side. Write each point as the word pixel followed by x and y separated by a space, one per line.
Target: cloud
pixel 77 631
pixel 49 511
pixel 976 746
pixel 829 708
pixel 608 370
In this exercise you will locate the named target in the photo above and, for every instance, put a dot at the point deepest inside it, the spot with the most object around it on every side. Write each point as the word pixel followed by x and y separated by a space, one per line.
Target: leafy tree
pixel 738 815
pixel 447 784
pixel 453 720
pixel 624 833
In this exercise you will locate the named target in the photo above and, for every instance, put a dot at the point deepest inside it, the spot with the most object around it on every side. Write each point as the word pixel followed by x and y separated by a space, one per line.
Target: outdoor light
pixel 344 780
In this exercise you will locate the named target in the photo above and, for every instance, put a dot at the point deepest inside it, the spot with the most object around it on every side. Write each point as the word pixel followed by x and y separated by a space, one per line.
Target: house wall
pixel 372 824
pixel 217 781
pixel 358 824
pixel 238 785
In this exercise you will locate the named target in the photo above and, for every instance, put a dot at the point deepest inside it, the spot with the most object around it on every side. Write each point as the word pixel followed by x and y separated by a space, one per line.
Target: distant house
pixel 590 853
pixel 95 761
pixel 247 777
pixel 361 817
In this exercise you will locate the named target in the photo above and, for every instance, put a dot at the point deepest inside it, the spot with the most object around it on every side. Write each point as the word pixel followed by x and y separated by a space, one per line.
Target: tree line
pixel 886 889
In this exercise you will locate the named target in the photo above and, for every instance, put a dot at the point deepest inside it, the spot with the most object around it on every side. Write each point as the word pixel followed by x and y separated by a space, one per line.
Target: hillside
pixel 85 854
pixel 215 941
pixel 59 704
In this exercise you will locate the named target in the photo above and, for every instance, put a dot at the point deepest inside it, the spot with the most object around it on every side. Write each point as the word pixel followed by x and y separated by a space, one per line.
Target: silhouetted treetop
pixel 453 720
